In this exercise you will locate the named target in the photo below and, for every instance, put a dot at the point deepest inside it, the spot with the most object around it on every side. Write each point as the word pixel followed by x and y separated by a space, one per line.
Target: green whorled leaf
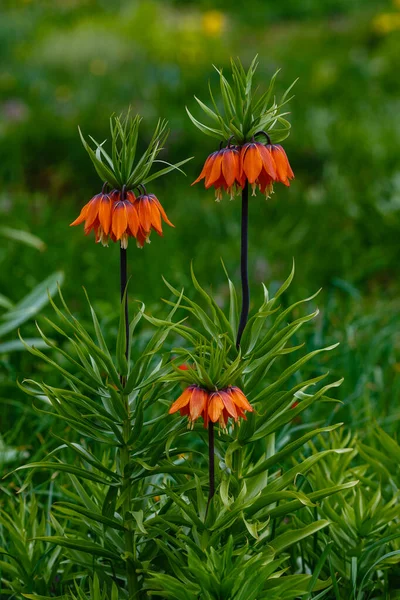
pixel 138 422
pixel 218 314
pixel 321 561
pixel 215 133
pixel 39 597
pixel 360 594
pixel 284 416
pixel 89 458
pixel 169 587
pixel 245 112
pixel 210 113
pixel 84 366
pixel 293 505
pixel 185 508
pixel 68 376
pixel 24 237
pixel 279 420
pixel 288 450
pixel 117 402
pixel 287 478
pixel 138 517
pixel 110 501
pixel 122 167
pixel 275 337
pixel 66 508
pixel 97 328
pixel 104 172
pixel 59 466
pixel 80 545
pixel 31 304
pixel 5 302
pixel 18 346
pixel 233 303
pixel 161 172
pixel 289 538
pixel 254 328
pixel 122 350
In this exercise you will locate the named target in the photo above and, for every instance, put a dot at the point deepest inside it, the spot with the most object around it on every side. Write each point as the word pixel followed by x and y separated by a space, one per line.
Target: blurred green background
pixel 66 63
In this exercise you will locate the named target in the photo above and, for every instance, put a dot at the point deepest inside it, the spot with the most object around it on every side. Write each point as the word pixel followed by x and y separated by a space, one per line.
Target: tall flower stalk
pixel 243 162
pixel 126 211
pixel 244 251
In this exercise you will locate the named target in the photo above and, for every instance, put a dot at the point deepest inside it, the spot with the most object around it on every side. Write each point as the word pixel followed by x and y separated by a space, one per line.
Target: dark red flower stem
pixel 211 461
pixel 244 264
pixel 124 282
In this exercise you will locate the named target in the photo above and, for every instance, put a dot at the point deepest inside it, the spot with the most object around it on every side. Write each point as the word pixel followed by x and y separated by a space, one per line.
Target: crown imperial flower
pixel 222 171
pixel 150 213
pixel 245 115
pixel 214 406
pixel 119 214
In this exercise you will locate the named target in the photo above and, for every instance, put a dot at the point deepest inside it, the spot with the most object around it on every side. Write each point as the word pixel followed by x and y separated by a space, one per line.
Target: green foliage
pixel 244 113
pixel 312 509
pixel 17 314
pixel 118 169
pixel 75 63
pixel 135 481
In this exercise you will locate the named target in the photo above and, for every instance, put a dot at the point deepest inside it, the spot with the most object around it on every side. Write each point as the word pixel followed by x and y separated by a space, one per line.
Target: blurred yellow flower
pixel 98 67
pixel 396 3
pixel 213 23
pixel 387 22
pixel 63 93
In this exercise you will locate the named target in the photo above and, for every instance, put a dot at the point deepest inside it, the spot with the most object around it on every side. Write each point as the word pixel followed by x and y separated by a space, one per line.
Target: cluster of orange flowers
pixel 215 406
pixel 119 215
pixel 228 169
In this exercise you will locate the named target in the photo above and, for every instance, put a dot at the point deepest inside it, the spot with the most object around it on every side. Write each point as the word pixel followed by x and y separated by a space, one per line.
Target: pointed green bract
pixel 122 166
pixel 244 111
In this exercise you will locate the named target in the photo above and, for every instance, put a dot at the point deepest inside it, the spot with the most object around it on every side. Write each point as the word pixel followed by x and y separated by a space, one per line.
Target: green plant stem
pixel 133 585
pixel 123 284
pixel 132 581
pixel 237 462
pixel 244 264
pixel 211 461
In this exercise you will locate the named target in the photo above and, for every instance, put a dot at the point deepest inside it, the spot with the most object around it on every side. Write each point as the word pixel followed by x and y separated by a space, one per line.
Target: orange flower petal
pixel 105 210
pixel 141 237
pixel 268 161
pixel 132 217
pixel 182 401
pixel 144 212
pixel 162 211
pixel 184 412
pixel 252 162
pixel 215 172
pixel 215 406
pixel 94 225
pixel 93 210
pixel 230 166
pixel 81 217
pixel 119 220
pixel 283 169
pixel 198 403
pixel 206 168
pixel 229 404
pixel 155 218
pixel 240 399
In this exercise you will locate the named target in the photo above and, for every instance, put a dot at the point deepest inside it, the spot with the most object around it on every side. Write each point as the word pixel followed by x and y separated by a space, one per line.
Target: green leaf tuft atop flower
pixel 122 167
pixel 245 111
